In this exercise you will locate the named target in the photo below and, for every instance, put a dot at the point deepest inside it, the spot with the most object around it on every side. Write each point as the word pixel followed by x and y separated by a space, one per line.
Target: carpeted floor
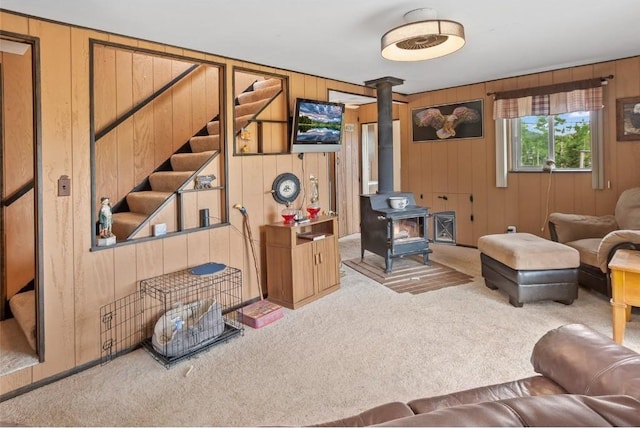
pixel 409 274
pixel 15 352
pixel 358 347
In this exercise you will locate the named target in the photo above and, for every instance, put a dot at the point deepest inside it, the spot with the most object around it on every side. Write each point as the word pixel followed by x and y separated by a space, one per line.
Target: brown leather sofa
pixel 584 379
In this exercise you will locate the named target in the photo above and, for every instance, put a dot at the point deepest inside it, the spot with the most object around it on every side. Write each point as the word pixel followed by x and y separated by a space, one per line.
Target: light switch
pixel 64 185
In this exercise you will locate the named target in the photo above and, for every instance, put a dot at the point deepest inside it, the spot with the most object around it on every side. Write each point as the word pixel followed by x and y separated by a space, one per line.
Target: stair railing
pixel 104 131
pixel 18 193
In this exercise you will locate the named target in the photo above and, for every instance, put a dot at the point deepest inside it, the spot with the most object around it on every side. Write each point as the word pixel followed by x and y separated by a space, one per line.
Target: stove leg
pixel 388 264
pixel 425 258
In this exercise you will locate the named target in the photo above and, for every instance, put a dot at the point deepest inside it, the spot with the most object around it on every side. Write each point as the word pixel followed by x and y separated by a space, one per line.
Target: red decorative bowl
pixel 313 211
pixel 289 218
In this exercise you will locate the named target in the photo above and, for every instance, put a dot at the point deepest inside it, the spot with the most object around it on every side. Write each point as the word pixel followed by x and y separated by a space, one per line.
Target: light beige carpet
pixel 409 274
pixel 358 347
pixel 15 352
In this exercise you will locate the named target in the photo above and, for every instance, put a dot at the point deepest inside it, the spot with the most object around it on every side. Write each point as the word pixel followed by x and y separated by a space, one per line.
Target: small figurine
pixel 315 194
pixel 105 218
pixel 314 208
pixel 204 181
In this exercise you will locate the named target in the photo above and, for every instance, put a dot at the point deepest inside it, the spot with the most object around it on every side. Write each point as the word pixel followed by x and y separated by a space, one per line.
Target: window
pixel 566 138
pixel 563 122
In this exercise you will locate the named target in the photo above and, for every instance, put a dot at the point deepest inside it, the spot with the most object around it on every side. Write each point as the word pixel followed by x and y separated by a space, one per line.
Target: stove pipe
pixel 385 130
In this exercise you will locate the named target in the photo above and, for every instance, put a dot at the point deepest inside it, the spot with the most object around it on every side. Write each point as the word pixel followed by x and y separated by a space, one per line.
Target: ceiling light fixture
pixel 423 37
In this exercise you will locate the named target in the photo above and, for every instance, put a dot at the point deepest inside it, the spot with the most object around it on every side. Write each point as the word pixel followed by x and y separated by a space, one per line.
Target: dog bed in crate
pixel 187 327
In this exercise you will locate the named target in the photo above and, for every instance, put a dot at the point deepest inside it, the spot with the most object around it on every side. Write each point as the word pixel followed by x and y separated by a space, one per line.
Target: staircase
pixel 251 102
pixel 23 308
pixel 183 166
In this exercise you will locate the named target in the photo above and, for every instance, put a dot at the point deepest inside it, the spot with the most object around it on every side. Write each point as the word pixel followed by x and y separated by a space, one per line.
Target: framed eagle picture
pixel 628 119
pixel 448 121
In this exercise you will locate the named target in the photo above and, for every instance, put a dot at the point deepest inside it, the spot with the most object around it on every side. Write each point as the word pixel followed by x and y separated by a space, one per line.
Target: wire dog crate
pixel 175 316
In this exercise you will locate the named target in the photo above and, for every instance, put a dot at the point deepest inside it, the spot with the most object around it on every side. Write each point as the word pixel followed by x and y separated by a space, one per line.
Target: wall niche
pixel 261 113
pixel 158 144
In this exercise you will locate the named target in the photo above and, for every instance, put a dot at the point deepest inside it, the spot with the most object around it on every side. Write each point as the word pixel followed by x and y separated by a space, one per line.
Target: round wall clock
pixel 286 188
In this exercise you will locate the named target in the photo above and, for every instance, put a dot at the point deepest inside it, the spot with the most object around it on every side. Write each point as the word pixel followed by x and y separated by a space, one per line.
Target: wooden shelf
pixel 300 270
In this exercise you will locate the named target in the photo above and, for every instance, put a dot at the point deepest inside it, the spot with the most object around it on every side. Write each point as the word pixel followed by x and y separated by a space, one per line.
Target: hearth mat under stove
pixel 409 274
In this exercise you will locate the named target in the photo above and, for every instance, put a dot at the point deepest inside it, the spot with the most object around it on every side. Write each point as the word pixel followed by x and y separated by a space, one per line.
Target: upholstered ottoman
pixel 529 268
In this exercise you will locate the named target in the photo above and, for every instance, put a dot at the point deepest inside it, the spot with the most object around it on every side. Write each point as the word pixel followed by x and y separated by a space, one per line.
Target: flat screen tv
pixel 316 126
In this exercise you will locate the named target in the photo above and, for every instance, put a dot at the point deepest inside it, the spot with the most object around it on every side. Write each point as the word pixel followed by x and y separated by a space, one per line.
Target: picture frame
pixel 628 119
pixel 453 121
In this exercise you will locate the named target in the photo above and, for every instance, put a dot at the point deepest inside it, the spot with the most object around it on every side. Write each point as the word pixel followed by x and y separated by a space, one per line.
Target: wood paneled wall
pixel 460 168
pixel 78 281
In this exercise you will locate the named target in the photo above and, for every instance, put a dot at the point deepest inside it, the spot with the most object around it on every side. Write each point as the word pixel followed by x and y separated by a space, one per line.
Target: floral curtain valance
pixel 583 95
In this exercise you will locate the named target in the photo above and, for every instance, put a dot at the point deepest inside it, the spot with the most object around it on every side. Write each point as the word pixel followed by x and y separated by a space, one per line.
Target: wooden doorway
pixel 347 176
pixel 20 222
pixel 369 166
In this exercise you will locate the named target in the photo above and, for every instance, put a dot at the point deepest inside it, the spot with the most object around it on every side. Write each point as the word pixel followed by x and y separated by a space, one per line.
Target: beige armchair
pixel 598 237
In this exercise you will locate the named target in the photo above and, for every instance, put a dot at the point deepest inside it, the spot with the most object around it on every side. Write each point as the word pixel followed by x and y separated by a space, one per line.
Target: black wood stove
pixel 390 232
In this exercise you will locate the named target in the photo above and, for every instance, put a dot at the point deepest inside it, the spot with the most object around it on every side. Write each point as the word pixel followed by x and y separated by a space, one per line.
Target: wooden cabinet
pixel 301 270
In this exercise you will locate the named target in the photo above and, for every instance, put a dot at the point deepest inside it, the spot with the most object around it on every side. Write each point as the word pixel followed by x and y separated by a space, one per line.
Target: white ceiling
pixel 340 39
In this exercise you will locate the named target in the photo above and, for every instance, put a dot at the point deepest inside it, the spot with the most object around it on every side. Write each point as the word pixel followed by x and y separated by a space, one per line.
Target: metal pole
pixel 385 131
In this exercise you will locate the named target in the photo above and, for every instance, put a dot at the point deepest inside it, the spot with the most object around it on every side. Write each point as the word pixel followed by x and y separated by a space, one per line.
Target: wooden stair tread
pixel 250 108
pixel 243 121
pixel 190 161
pixel 169 181
pixel 266 82
pixel 128 217
pixel 146 202
pixel 125 223
pixel 213 127
pixel 204 143
pixel 258 94
pixel 23 308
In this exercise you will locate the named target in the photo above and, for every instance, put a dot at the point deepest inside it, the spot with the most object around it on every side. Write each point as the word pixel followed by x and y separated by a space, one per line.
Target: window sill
pixel 556 170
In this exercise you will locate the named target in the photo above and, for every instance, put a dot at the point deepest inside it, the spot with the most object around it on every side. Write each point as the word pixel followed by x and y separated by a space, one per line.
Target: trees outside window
pixel 565 138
